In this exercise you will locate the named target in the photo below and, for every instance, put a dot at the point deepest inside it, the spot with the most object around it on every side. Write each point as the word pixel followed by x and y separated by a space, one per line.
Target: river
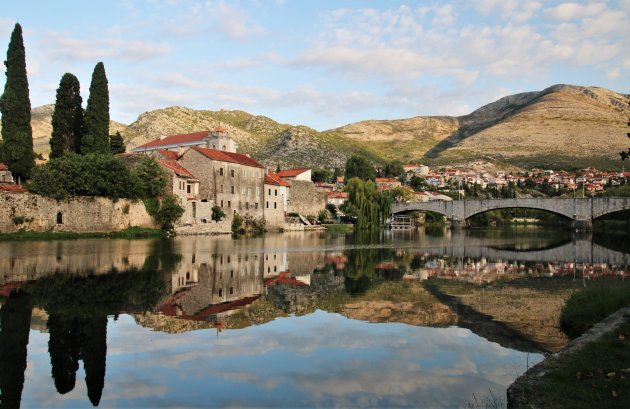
pixel 428 318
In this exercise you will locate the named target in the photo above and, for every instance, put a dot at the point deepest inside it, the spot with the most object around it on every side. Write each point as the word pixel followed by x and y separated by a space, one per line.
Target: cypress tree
pixel 116 143
pixel 15 107
pixel 97 114
pixel 67 119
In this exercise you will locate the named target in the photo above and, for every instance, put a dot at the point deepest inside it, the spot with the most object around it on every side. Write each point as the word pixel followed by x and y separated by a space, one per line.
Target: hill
pixel 563 126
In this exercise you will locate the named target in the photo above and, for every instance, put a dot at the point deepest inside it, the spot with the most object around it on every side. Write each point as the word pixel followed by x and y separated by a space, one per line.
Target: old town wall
pixel 81 214
pixel 305 198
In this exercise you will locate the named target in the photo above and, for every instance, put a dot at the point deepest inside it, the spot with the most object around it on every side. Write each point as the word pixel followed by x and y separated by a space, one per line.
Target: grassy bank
pixel 128 233
pixel 340 228
pixel 596 374
pixel 592 304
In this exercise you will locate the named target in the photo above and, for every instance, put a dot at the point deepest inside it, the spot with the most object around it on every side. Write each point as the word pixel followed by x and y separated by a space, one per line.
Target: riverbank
pixel 593 370
pixel 128 233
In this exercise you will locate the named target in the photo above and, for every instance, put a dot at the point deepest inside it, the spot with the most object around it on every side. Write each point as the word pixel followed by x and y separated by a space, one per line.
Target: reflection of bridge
pixel 582 211
pixel 580 251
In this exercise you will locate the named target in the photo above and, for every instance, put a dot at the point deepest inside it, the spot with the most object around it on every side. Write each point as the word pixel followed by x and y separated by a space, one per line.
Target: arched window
pixel 59 218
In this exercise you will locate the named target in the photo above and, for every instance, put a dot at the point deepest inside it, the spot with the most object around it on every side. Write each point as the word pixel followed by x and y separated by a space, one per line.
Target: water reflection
pixel 428 278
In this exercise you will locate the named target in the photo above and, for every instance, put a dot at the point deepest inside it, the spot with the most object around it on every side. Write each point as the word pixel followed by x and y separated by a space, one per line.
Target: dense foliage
pixel 370 206
pixel 166 211
pixel 97 114
pixel 68 124
pixel 117 144
pixel 359 167
pixel 97 175
pixel 16 150
pixel 217 213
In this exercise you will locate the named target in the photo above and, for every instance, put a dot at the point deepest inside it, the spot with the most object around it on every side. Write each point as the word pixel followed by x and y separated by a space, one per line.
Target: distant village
pixel 204 171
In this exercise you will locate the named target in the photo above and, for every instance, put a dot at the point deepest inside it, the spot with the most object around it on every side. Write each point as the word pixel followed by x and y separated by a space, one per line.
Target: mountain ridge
pixel 562 125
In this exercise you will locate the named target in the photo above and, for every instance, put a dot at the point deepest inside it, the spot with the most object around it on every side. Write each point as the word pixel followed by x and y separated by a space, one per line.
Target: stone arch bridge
pixel 581 210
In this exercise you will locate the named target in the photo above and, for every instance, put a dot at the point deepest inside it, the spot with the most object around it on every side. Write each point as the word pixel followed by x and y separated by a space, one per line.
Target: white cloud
pixel 570 11
pixel 61 46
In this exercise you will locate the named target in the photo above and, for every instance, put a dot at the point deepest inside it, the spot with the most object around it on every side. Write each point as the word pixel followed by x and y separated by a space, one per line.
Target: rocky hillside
pixel 42 128
pixel 563 126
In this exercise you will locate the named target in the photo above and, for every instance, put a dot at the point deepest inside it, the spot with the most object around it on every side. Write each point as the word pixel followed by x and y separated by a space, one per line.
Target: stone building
pixel 229 180
pixel 5 174
pixel 217 139
pixel 276 195
pixel 296 174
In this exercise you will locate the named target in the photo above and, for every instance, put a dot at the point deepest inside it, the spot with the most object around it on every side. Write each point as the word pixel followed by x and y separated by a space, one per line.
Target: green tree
pixel 97 114
pixel 68 124
pixel 359 167
pixel 217 213
pixel 418 183
pixel 149 179
pixel 116 143
pixel 392 169
pixel 321 175
pixel 15 106
pixel 370 206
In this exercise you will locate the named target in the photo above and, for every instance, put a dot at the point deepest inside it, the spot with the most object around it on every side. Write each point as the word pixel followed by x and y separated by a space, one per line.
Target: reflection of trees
pixel 63 346
pixel 15 320
pixel 360 268
pixel 78 308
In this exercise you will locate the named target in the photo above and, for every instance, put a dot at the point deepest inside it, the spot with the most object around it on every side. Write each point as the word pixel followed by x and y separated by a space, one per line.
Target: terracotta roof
pixel 337 195
pixel 290 173
pixel 180 139
pixel 9 187
pixel 386 180
pixel 273 179
pixel 3 166
pixel 170 155
pixel 228 157
pixel 219 129
pixel 175 167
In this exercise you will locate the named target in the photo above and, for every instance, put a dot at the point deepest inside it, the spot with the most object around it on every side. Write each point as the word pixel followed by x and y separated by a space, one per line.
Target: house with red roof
pixel 296 174
pixel 5 174
pixel 227 179
pixel 276 193
pixel 218 139
pixel 180 180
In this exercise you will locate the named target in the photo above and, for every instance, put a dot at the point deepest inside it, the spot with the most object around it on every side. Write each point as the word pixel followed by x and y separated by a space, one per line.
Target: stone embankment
pixel 80 214
pixel 517 392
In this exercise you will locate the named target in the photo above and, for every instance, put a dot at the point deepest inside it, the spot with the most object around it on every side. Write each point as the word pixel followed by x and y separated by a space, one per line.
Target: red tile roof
pixel 291 173
pixel 170 155
pixel 228 157
pixel 337 195
pixel 175 167
pixel 9 187
pixel 180 139
pixel 273 179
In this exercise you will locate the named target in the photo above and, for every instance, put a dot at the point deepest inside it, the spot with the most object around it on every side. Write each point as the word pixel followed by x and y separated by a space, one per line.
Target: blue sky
pixel 320 63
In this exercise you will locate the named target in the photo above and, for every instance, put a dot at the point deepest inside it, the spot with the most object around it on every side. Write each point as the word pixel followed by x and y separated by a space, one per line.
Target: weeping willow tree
pixel 370 206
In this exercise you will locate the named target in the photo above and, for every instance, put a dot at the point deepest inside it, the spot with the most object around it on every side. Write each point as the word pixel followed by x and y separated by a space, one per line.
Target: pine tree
pixel 15 106
pixel 117 144
pixel 97 114
pixel 67 119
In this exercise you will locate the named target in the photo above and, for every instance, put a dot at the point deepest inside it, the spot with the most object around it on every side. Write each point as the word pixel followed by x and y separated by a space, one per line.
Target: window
pixel 275 192
pixel 229 204
pixel 220 292
pixel 269 192
pixel 243 191
pixel 256 205
pixel 257 191
pixel 275 205
pixel 267 205
pixel 231 172
pixel 188 189
pixel 244 173
pixel 232 190
pixel 247 205
pixel 221 189
pixel 59 218
pixel 221 171
pixel 221 203
pixel 231 290
pixel 249 191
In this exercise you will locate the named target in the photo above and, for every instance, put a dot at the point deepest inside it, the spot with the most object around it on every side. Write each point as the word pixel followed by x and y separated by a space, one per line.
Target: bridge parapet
pixel 581 210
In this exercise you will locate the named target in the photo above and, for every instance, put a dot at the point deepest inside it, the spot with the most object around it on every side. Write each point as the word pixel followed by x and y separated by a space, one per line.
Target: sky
pixel 319 63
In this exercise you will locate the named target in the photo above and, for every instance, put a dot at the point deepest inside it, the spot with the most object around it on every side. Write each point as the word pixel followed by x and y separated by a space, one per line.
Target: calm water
pixel 285 320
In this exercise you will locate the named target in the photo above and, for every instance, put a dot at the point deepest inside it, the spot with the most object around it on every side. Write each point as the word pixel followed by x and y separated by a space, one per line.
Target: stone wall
pixel 80 214
pixel 305 198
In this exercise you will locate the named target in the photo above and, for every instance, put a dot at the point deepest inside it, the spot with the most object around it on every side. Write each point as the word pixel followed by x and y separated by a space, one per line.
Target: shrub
pixel 237 224
pixel 217 214
pixel 166 212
